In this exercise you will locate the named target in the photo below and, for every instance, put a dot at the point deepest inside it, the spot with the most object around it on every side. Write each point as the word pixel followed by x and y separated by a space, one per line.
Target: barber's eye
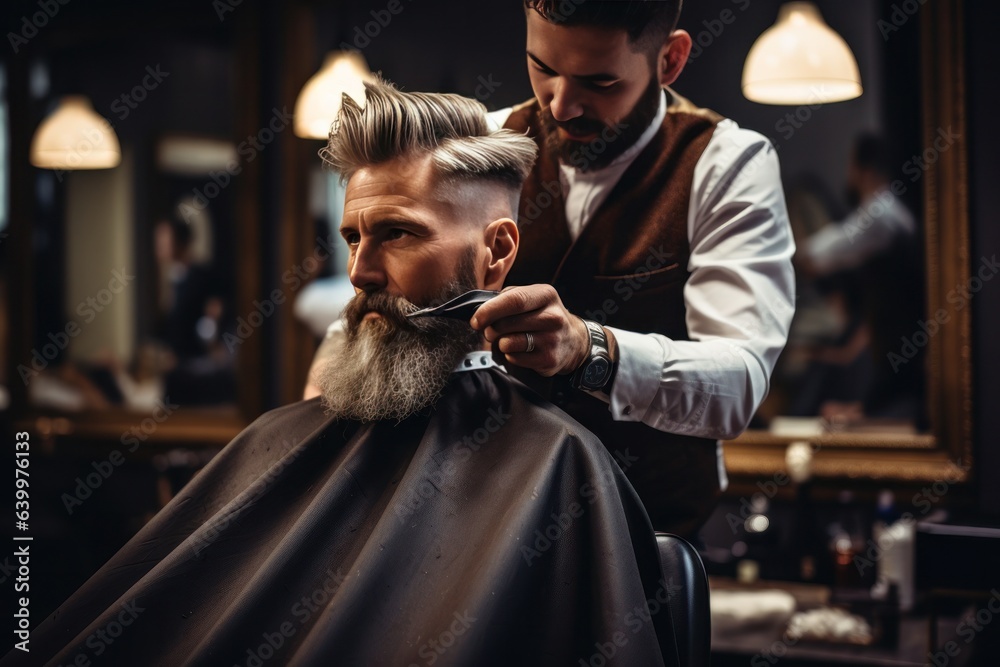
pixel 394 234
pixel 352 238
pixel 606 86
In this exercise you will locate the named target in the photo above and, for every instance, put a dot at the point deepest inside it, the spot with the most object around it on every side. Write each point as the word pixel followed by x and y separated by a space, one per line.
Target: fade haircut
pixel 647 22
pixel 451 128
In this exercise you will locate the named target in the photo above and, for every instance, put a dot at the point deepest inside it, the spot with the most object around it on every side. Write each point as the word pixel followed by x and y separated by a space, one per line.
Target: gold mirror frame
pixel 945 454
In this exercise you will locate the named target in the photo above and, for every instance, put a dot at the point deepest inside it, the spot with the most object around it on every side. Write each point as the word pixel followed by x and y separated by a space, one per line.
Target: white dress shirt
pixel 740 296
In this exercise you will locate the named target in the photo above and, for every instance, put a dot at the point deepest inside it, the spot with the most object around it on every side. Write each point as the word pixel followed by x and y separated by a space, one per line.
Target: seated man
pixel 426 509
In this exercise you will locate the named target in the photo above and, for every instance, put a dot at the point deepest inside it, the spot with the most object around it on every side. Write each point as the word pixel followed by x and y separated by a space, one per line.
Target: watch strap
pixel 599 347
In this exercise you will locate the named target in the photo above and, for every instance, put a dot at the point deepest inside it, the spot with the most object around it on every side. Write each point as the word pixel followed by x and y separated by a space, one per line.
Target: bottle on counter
pixel 892 544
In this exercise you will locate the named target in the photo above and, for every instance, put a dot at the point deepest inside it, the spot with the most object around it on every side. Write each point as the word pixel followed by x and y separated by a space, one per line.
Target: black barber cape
pixel 491 530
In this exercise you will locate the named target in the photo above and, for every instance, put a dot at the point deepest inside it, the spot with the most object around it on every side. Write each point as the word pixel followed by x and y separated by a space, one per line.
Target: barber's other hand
pixel 561 341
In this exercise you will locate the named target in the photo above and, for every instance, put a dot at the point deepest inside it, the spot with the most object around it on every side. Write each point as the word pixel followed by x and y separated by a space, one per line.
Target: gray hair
pixel 451 128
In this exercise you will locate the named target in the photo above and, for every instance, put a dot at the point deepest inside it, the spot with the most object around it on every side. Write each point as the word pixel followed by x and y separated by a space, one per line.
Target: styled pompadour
pixel 451 128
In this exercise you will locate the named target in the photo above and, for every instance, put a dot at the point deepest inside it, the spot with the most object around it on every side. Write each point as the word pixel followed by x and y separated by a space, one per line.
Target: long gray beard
pixel 390 367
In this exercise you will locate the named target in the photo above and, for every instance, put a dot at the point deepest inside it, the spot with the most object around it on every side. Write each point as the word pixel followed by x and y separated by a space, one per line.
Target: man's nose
pixel 565 103
pixel 366 269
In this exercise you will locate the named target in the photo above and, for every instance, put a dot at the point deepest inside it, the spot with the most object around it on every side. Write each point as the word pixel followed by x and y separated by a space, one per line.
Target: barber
pixel 654 288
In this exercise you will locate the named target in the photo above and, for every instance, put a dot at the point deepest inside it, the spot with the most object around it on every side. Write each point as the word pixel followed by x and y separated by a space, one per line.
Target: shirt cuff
pixel 640 366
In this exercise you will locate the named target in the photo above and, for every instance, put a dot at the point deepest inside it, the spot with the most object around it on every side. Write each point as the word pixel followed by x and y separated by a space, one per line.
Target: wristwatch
pixel 598 370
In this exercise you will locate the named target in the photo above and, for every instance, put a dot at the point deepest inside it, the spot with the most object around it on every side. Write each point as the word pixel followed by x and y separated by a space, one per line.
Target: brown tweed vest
pixel 626 269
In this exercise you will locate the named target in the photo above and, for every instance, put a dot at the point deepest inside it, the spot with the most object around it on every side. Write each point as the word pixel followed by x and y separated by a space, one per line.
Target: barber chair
pixel 689 611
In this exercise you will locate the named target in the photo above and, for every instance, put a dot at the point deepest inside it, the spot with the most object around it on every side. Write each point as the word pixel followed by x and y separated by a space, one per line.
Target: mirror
pixel 195 321
pixel 856 212
pixel 136 274
pixel 874 358
pixel 146 331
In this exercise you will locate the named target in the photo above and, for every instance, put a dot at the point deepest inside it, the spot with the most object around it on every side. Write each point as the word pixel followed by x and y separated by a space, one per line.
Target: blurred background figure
pixel 192 311
pixel 867 271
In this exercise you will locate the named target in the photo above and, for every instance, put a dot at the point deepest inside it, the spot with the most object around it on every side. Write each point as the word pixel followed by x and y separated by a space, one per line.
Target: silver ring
pixel 531 342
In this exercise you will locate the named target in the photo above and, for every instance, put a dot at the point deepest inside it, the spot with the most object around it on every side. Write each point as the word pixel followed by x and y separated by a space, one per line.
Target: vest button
pixel 627 410
pixel 559 397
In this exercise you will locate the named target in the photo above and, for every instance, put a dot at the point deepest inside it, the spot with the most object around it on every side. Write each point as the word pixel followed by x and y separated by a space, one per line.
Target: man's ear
pixel 501 241
pixel 673 56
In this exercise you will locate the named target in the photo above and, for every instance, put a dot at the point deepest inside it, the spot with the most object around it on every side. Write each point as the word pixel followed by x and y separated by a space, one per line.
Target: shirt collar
pixel 477 361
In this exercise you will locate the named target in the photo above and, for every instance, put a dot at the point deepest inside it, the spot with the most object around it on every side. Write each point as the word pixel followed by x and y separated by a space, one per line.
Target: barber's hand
pixel 560 339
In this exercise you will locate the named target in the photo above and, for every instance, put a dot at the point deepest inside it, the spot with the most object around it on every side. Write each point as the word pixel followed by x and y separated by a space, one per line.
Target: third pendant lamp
pixel 800 60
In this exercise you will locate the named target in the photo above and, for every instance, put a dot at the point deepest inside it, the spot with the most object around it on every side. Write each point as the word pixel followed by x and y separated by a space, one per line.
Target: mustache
pixel 577 126
pixel 393 309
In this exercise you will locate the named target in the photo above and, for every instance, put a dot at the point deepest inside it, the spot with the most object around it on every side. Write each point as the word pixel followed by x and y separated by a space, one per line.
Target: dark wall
pixel 445 45
pixel 713 79
pixel 984 147
pixel 437 45
pixel 431 46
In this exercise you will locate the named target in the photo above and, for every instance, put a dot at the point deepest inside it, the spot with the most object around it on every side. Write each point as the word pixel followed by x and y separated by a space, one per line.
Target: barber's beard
pixel 390 367
pixel 611 140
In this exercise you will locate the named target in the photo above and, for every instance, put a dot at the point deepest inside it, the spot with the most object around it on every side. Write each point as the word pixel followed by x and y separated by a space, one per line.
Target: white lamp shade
pixel 75 137
pixel 800 60
pixel 319 102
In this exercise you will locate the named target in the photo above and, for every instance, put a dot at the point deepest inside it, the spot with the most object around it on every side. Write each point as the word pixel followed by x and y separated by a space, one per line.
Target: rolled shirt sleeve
pixel 740 298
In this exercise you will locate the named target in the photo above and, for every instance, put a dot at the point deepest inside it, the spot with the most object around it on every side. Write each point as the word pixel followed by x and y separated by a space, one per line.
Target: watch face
pixel 596 372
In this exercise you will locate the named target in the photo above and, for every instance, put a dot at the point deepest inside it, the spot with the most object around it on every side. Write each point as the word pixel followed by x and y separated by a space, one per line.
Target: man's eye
pixel 352 238
pixel 394 234
pixel 602 86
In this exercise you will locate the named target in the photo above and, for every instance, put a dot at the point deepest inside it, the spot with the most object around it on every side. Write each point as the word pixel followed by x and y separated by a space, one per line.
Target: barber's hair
pixel 451 128
pixel 871 152
pixel 647 22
